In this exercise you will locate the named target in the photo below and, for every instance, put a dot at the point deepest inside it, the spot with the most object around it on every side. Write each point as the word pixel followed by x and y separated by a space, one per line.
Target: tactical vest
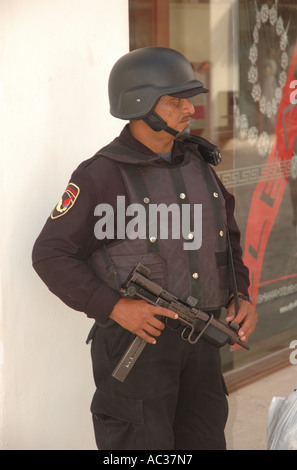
pixel 201 273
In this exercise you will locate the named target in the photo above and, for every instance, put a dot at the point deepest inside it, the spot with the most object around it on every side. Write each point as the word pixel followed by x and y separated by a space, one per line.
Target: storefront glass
pixel 245 52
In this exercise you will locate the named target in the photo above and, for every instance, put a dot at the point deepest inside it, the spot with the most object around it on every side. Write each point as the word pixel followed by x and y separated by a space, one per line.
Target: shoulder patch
pixel 66 202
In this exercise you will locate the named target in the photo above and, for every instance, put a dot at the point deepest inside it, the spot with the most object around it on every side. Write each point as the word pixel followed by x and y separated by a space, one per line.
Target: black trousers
pixel 173 398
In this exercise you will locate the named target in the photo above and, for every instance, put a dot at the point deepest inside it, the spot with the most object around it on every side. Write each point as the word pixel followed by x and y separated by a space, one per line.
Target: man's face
pixel 176 112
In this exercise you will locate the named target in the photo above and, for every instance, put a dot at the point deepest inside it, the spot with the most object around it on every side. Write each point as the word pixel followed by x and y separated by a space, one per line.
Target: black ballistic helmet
pixel 139 79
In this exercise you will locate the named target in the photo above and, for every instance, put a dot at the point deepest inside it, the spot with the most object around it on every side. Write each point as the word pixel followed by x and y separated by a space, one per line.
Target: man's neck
pixel 158 142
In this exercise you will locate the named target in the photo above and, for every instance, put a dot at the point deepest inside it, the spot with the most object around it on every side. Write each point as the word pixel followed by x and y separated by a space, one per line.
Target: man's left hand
pixel 246 317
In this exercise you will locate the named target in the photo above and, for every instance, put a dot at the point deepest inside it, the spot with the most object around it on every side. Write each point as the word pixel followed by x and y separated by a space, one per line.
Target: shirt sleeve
pixel 63 247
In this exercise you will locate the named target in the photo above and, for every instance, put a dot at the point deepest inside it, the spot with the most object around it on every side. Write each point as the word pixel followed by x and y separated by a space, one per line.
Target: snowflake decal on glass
pixel 263 16
pixel 268 102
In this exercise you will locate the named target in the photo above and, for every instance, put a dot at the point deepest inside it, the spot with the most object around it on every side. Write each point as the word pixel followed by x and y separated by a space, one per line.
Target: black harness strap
pixel 141 189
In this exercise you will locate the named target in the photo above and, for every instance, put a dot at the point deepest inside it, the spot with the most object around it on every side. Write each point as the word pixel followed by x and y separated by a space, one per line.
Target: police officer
pixel 175 396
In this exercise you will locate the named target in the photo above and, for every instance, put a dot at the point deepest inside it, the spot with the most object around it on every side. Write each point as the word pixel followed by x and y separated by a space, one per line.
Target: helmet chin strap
pixel 155 122
pixel 209 152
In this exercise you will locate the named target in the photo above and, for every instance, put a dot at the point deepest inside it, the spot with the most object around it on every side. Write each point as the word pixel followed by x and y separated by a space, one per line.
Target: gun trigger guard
pixel 185 338
pixel 189 337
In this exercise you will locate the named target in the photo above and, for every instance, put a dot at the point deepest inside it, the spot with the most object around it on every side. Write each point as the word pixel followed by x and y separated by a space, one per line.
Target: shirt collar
pixel 128 140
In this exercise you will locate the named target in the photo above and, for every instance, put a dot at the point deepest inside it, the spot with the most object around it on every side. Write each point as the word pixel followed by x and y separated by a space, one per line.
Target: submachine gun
pixel 197 323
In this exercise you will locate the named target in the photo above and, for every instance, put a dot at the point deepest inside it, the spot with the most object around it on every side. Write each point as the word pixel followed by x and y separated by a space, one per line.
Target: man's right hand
pixel 139 317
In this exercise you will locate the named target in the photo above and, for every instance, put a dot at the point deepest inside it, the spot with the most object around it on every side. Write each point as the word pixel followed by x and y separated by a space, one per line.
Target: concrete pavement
pixel 248 409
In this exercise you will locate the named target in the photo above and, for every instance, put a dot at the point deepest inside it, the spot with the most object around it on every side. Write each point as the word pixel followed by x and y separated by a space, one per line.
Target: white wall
pixel 55 60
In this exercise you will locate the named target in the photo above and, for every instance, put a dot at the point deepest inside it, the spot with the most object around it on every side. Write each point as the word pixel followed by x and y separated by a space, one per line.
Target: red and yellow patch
pixel 66 202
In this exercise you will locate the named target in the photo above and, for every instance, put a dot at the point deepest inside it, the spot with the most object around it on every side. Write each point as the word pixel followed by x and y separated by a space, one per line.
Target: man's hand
pixel 139 317
pixel 246 316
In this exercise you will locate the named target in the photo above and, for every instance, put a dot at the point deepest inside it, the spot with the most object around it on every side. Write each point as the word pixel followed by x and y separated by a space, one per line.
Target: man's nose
pixel 187 106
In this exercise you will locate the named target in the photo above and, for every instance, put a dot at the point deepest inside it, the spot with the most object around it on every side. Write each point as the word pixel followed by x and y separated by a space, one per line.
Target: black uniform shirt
pixel 67 240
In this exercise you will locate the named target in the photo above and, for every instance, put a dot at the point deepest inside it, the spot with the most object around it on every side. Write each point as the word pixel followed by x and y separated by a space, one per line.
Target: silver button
pixel 221 233
pixel 182 195
pixel 190 236
pixel 138 100
pixel 215 195
pixel 195 275
pixel 146 200
pixel 153 239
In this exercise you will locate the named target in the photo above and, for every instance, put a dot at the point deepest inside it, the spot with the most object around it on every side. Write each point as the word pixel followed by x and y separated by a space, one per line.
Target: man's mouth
pixel 186 120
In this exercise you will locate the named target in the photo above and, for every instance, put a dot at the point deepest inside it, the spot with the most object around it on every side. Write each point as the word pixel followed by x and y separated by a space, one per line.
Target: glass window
pixel 264 177
pixel 245 52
